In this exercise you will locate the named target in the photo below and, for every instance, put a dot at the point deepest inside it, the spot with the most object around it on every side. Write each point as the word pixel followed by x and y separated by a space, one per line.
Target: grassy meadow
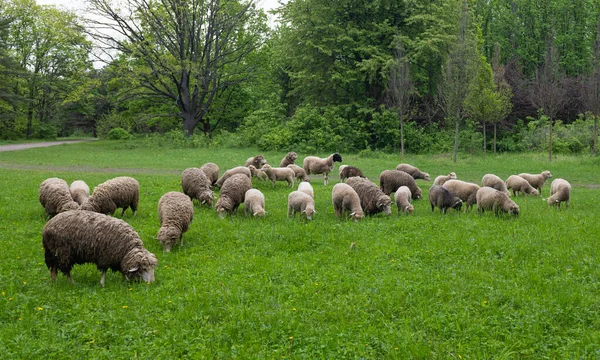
pixel 426 286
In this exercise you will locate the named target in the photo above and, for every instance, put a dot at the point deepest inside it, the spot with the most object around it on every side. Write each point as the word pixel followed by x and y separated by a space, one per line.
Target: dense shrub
pixel 118 134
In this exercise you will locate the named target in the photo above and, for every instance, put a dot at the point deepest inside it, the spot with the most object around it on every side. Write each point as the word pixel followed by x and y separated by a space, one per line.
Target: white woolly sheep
pixel 279 174
pixel 493 181
pixel 402 199
pixel 254 203
pixel 350 171
pixel 232 194
pixel 520 185
pixel 537 180
pixel 315 165
pixel 288 159
pixel 196 185
pixel 258 161
pixel 443 199
pixel 306 188
pixel 560 191
pixel 55 197
pixel 80 191
pixel 299 202
pixel 258 173
pixel 236 170
pixel 372 199
pixel 120 192
pixel 391 180
pixel 413 171
pixel 299 172
pixel 345 199
pixel 175 213
pixel 79 237
pixel 466 191
pixel 211 170
pixel 440 180
pixel 491 199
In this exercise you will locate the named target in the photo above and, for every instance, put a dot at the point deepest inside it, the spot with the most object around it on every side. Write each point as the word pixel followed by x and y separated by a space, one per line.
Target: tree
pixel 400 89
pixel 591 89
pixel 504 91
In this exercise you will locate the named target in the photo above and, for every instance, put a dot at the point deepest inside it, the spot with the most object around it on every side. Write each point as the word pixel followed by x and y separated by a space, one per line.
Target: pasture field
pixel 426 286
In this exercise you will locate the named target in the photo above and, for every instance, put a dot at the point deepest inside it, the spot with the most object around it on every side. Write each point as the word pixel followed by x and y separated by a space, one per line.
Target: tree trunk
pixel 189 123
pixel 456 138
pixel 484 141
pixel 495 125
pixel 595 134
pixel 402 136
pixel 550 143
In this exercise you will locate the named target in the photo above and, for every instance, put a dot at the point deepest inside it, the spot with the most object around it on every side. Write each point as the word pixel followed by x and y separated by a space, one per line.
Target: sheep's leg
pixel 102 278
pixel 68 275
pixel 289 211
pixel 181 240
pixel 53 273
pixel 326 178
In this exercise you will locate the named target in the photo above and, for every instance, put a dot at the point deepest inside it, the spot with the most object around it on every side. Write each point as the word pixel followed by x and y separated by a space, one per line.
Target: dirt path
pixel 15 147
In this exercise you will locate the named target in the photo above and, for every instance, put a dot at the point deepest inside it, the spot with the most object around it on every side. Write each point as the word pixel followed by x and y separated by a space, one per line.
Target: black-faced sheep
pixel 299 172
pixel 537 180
pixel 232 194
pixel 346 200
pixel 254 203
pixel 519 185
pixel 491 199
pixel 258 173
pixel 315 165
pixel 306 188
pixel 211 170
pixel 299 202
pixel 236 170
pixel 391 180
pixel 120 192
pixel 258 161
pixel 440 180
pixel 350 171
pixel 372 199
pixel 493 181
pixel 196 185
pixel 175 213
pixel 466 191
pixel 279 174
pixel 443 199
pixel 80 191
pixel 288 159
pixel 560 191
pixel 78 237
pixel 413 171
pixel 402 199
pixel 55 197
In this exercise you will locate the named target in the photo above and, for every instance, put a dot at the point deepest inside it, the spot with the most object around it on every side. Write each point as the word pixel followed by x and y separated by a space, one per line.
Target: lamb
pixel 288 159
pixel 254 203
pixel 491 199
pixel 402 199
pixel 211 170
pixel 495 182
pixel 315 165
pixel 391 180
pixel 196 185
pixel 78 237
pixel 258 173
pixel 344 198
pixel 175 213
pixel 560 191
pixel 299 172
pixel 466 191
pixel 232 194
pixel 55 197
pixel 413 171
pixel 537 180
pixel 372 199
pixel 306 188
pixel 258 161
pixel 440 180
pixel 80 191
pixel 236 170
pixel 443 199
pixel 520 185
pixel 349 171
pixel 299 202
pixel 280 174
pixel 120 192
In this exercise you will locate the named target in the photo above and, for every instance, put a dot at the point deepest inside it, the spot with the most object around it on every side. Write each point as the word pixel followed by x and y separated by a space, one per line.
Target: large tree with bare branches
pixel 400 88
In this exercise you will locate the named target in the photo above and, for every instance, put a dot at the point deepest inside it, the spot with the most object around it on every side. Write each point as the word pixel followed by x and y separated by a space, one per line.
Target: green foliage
pixel 45 131
pixel 385 130
pixel 118 134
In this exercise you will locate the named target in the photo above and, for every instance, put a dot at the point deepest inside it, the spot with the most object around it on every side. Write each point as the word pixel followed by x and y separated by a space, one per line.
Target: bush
pixel 118 134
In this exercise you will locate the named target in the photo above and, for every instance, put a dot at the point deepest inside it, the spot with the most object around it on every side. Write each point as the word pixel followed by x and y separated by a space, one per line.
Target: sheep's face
pixel 357 215
pixel 385 206
pixel 309 212
pixel 142 267
pixel 457 205
pixel 409 209
pixel 208 198
pixel 452 176
pixel 533 192
pixel 259 213
pixel 546 174
pixel 514 209
pixel 426 177
pixel 168 237
pixel 417 195
pixel 292 156
pixel 259 160
pixel 337 157
pixel 222 212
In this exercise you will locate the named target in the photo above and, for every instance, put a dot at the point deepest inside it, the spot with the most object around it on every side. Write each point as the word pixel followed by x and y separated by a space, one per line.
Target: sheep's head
pixel 514 209
pixel 260 160
pixel 309 211
pixel 426 177
pixel 139 264
pixel 168 236
pixel 337 157
pixel 357 215
pixel 546 174
pixel 418 194
pixel 457 204
pixel 291 156
pixel 409 209
pixel 207 197
pixel 260 213
pixel 533 192
pixel 452 176
pixel 385 205
pixel 221 211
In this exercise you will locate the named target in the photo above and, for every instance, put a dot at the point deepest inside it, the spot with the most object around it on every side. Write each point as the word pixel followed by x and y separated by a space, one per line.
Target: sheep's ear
pixel 203 202
pixel 133 269
pixel 353 213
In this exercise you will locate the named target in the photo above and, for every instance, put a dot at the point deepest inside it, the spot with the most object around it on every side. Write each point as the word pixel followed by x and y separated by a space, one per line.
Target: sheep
pixel 443 199
pixel 440 180
pixel 560 191
pixel 232 194
pixel 466 191
pixel 258 161
pixel 372 199
pixel 402 199
pixel 258 173
pixel 495 182
pixel 280 174
pixel 120 192
pixel 315 165
pixel 300 173
pixel 306 188
pixel 491 199
pixel 236 170
pixel 175 213
pixel 78 237
pixel 345 198
pixel 254 203
pixel 55 197
pixel 520 185
pixel 391 180
pixel 211 170
pixel 349 171
pixel 299 202
pixel 413 171
pixel 80 191
pixel 537 180
pixel 196 185
pixel 288 159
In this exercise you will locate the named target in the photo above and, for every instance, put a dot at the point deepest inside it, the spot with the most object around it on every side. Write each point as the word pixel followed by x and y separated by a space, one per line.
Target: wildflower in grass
pixel 291 338
pixel 293 309
pixel 3 293
pixel 396 349
pixel 125 306
pixel 92 341
pixel 40 308
pixel 24 282
pixel 9 299
pixel 19 319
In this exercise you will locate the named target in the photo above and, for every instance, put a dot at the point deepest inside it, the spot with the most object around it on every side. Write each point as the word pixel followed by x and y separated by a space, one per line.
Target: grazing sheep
pixel 120 192
pixel 299 172
pixel 254 203
pixel 466 191
pixel 443 199
pixel 315 165
pixel 258 161
pixel 306 188
pixel 402 198
pixel 493 181
pixel 372 199
pixel 80 191
pixel 391 180
pixel 288 159
pixel 258 173
pixel 232 194
pixel 560 191
pixel 279 174
pixel 196 185
pixel 537 180
pixel 175 213
pixel 79 237
pixel 413 171
pixel 440 180
pixel 345 198
pixel 491 199
pixel 55 197
pixel 236 170
pixel 299 202
pixel 211 170
pixel 349 171
pixel 520 185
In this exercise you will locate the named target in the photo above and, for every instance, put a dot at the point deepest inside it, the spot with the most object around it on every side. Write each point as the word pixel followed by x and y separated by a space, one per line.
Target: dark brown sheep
pixel 372 199
pixel 350 171
pixel 443 199
pixel 391 180
pixel 120 192
pixel 232 194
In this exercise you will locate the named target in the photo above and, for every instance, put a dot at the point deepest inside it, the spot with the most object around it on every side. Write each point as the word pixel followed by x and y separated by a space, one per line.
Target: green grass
pixel 423 286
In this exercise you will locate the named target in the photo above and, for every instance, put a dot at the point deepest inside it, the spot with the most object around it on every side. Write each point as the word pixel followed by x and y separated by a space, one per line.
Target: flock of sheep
pixel 82 229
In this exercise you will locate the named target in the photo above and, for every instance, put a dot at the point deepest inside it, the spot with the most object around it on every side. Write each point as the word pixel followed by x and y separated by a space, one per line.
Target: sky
pixel 74 5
